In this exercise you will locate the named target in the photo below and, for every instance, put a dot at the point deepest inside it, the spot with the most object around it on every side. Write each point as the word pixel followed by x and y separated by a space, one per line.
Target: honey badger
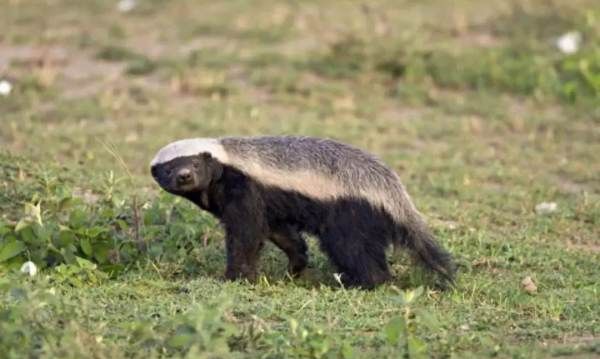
pixel 278 188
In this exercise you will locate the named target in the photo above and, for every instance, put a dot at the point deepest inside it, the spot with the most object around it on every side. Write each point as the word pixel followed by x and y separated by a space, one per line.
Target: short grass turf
pixel 470 102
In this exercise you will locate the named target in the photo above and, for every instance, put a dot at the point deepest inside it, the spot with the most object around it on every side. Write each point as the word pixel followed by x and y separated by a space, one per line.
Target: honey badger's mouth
pixel 187 187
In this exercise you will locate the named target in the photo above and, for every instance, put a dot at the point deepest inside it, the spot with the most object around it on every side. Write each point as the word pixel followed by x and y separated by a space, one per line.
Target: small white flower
pixel 5 87
pixel 546 207
pixel 29 268
pixel 126 5
pixel 569 42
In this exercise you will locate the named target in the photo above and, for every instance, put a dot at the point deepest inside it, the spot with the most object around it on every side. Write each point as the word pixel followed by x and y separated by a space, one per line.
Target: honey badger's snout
pixel 184 176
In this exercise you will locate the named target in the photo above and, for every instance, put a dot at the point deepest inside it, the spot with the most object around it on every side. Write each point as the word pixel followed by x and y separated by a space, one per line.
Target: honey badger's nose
pixel 184 176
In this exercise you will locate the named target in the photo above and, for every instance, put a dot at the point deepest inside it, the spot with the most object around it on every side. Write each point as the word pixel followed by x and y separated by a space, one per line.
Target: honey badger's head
pixel 187 174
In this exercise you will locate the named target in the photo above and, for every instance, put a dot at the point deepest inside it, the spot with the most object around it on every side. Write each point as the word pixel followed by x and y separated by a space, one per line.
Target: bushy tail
pixel 424 248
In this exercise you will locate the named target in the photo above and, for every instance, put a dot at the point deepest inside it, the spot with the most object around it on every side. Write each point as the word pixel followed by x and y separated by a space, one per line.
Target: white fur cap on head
pixel 190 147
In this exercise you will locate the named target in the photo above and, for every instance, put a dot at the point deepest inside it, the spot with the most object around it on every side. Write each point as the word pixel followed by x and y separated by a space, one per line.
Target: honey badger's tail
pixel 426 251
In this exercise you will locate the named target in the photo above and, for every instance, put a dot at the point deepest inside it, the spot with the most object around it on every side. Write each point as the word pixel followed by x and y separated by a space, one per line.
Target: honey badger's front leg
pixel 245 231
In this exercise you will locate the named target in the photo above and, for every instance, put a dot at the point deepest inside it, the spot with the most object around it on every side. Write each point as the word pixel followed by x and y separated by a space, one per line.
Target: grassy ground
pixel 471 103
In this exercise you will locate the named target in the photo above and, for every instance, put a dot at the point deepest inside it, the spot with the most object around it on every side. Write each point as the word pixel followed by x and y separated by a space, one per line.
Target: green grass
pixel 473 106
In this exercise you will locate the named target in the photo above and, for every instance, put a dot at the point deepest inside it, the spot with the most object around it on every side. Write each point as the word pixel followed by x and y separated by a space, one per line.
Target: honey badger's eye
pixel 168 171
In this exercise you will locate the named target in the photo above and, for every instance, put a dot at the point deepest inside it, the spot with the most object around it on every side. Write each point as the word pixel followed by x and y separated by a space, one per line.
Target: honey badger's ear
pixel 214 167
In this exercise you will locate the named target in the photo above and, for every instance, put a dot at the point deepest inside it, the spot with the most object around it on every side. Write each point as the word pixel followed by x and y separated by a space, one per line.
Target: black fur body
pixel 353 230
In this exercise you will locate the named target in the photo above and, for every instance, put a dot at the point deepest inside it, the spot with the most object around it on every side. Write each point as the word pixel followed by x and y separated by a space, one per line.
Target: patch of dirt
pixel 568 186
pixel 77 73
pixel 586 247
pixel 582 339
pixel 299 46
pixel 86 195
pixel 518 106
pixel 392 111
pixel 479 39
pixel 84 76
pixel 577 350
pixel 202 43
pixel 31 56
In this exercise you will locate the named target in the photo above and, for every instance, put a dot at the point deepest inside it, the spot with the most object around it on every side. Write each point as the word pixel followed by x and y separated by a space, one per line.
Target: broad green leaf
pixel 95 231
pixel 4 229
pixel 65 238
pixel 86 247
pixel 393 330
pixel 112 270
pixel 77 218
pixel 181 340
pixel 28 235
pixel 101 251
pixel 68 254
pixel 107 213
pixel 348 351
pixel 151 216
pixel 84 263
pixel 42 233
pixel 12 264
pixel 416 347
pixel 65 203
pixel 10 249
pixel 122 224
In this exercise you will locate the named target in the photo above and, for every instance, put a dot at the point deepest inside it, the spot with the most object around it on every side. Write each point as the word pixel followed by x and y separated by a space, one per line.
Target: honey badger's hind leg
pixel 290 241
pixel 355 239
